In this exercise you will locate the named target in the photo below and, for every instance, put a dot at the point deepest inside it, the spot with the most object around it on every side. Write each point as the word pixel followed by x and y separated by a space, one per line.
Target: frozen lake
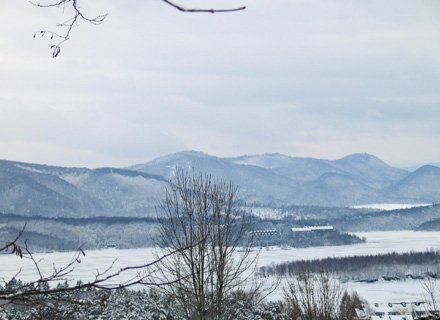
pixel 390 206
pixel 377 242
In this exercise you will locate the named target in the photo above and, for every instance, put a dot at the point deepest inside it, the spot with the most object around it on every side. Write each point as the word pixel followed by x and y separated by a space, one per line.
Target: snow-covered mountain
pixel 365 167
pixel 424 183
pixel 268 179
pixel 370 169
pixel 31 189
pixel 281 179
pixel 257 183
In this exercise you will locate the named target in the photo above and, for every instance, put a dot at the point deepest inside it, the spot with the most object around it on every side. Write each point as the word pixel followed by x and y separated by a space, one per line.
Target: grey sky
pixel 303 78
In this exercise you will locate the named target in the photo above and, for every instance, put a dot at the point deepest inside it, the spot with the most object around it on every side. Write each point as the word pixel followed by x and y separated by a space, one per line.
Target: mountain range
pixel 268 179
pixel 49 191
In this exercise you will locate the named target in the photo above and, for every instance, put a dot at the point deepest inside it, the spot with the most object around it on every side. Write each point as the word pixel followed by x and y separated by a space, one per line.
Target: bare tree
pixel 201 214
pixel 431 295
pixel 349 304
pixel 77 15
pixel 312 296
pixel 32 292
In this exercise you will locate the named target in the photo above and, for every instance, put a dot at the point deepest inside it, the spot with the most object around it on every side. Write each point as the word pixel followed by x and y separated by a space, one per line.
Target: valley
pixel 376 243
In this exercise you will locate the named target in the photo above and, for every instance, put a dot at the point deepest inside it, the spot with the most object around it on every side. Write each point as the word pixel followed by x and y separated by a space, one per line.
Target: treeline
pixel 431 225
pixel 350 219
pixel 323 238
pixel 77 221
pixel 48 235
pixel 307 239
pixel 119 304
pixel 329 303
pixel 399 219
pixel 284 236
pixel 391 266
pixel 64 234
pixel 306 212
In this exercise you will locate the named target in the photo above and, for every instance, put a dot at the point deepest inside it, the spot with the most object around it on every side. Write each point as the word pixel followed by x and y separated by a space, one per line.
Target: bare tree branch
pixel 79 15
pixel 16 249
pixel 68 24
pixel 180 8
pixel 202 214
pixel 29 293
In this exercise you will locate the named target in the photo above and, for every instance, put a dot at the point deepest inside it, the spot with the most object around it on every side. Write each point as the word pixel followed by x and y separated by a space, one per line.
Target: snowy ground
pixel 380 292
pixel 390 206
pixel 377 242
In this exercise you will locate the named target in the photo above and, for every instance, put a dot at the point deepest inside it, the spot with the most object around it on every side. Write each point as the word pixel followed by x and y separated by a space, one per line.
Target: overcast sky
pixel 304 78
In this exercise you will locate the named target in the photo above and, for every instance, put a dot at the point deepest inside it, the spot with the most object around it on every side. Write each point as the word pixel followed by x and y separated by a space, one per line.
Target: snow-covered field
pixel 390 206
pixel 377 242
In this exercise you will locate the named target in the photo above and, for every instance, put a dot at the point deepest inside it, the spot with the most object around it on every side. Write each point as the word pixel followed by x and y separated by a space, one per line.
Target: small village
pixel 417 310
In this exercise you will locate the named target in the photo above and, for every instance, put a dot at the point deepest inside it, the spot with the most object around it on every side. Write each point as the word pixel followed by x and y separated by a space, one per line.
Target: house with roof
pixel 415 310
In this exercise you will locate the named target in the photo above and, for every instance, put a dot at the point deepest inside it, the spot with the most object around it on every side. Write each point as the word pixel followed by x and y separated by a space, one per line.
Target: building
pixel 312 228
pixel 416 310
pixel 269 232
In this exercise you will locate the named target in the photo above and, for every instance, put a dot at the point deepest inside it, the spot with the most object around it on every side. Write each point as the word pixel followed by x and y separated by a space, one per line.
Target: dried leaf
pixel 55 50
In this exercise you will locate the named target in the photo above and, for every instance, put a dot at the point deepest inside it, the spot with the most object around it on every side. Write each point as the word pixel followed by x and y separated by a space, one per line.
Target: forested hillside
pixel 269 180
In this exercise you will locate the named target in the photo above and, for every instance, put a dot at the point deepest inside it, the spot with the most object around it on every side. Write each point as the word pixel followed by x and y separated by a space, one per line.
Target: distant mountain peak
pixel 360 157
pixel 186 153
pixel 427 169
pixel 430 167
pixel 272 178
pixel 422 184
pixel 275 155
pixel 174 157
pixel 193 153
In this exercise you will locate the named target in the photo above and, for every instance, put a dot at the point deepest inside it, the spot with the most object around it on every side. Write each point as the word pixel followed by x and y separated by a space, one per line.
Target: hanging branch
pixel 13 245
pixel 78 15
pixel 30 293
pixel 68 24
pixel 180 8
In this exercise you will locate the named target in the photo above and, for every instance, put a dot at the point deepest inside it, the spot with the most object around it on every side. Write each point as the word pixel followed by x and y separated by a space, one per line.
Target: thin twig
pixel 180 8
pixel 79 15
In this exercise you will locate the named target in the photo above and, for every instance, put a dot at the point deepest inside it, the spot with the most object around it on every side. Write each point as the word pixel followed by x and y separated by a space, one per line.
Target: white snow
pixel 265 213
pixel 390 206
pixel 396 291
pixel 377 242
pixel 378 292
pixel 27 168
